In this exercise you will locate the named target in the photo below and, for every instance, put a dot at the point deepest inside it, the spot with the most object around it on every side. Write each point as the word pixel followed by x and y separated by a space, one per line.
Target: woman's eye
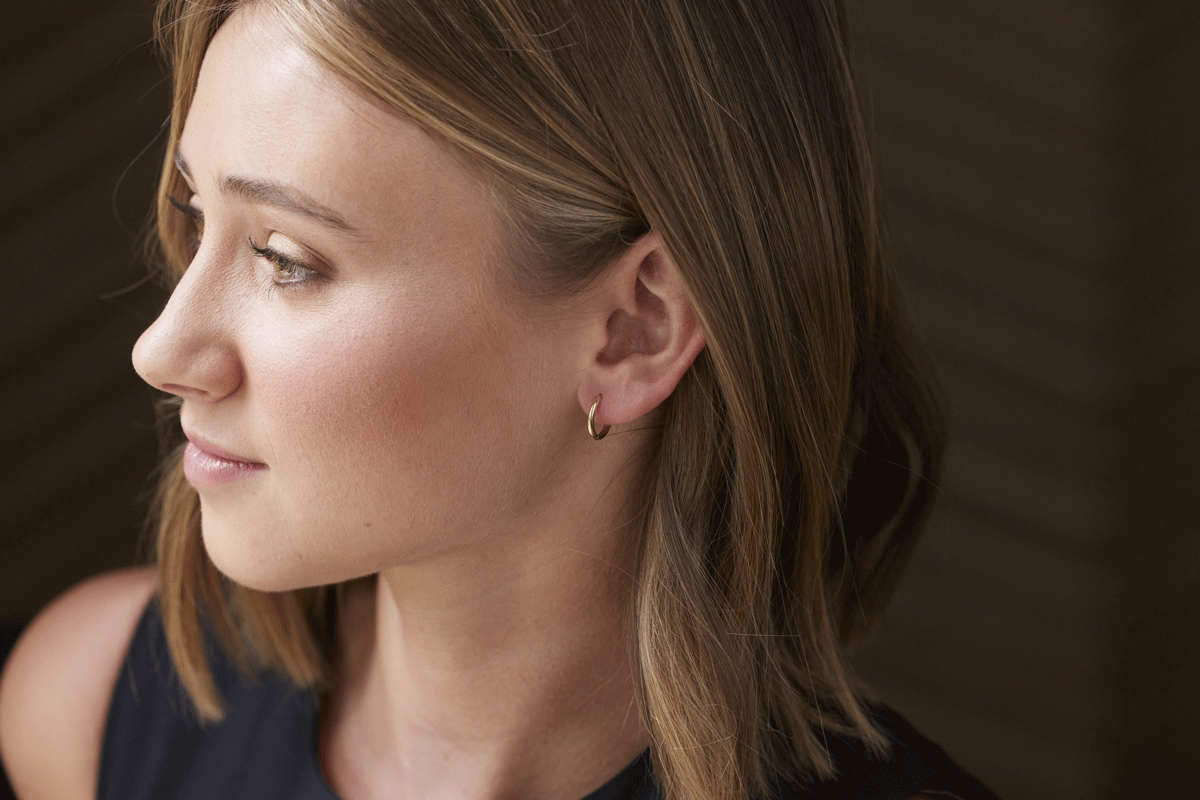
pixel 286 271
pixel 195 215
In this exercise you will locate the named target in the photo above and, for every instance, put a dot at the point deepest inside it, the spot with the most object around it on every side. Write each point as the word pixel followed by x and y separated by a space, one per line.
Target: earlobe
pixel 651 336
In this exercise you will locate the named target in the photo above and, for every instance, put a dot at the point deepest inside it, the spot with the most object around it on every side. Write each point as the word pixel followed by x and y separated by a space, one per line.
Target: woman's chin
pixel 252 562
pixel 256 564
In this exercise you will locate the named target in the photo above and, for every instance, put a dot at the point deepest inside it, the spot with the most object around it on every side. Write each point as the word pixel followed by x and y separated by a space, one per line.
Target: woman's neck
pixel 503 672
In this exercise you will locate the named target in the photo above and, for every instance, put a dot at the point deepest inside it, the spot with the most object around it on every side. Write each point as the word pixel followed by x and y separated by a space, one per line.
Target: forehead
pixel 266 109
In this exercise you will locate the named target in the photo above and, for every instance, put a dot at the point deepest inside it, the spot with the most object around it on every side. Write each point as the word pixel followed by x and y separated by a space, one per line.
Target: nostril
pixel 181 390
pixel 188 351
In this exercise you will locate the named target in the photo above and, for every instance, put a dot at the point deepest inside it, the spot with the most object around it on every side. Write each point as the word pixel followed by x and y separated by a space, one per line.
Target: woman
pixel 551 421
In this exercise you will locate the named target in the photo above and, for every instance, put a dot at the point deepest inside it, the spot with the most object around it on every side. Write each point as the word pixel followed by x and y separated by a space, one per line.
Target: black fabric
pixel 915 766
pixel 154 747
pixel 265 748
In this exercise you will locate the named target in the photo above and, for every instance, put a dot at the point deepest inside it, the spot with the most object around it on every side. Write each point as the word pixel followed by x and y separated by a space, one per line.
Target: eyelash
pixel 192 213
pixel 287 272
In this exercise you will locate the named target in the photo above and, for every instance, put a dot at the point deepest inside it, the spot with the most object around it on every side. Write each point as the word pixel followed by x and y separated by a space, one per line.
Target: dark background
pixel 1040 159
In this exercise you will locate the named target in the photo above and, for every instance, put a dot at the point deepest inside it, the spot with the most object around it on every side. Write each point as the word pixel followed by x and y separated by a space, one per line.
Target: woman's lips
pixel 208 465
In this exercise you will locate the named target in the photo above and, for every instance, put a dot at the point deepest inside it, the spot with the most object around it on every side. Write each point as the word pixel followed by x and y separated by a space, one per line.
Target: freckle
pixel 366 524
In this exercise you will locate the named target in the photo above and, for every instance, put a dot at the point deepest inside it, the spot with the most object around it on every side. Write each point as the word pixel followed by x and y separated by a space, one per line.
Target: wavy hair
pixel 799 455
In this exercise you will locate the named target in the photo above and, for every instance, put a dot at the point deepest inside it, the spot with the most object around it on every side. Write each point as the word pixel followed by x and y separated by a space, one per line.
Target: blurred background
pixel 1040 160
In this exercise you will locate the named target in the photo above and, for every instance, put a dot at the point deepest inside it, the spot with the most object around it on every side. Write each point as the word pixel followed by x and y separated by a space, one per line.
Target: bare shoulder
pixel 56 686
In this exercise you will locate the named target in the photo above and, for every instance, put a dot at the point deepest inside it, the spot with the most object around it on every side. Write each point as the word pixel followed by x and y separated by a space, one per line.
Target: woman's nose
pixel 189 350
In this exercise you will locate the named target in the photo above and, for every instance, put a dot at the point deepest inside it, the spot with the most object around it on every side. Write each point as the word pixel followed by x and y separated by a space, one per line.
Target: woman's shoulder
pixel 58 681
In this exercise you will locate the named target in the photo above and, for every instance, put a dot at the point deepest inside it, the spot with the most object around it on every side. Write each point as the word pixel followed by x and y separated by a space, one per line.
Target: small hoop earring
pixel 592 420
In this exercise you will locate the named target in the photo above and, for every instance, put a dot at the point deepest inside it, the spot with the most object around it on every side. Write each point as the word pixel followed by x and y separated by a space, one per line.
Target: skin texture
pixel 411 419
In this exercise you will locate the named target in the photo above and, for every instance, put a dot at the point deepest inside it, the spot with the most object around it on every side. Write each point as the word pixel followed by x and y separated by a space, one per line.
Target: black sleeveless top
pixel 266 746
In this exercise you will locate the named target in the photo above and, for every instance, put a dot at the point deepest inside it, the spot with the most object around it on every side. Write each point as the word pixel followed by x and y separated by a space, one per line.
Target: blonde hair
pixel 798 456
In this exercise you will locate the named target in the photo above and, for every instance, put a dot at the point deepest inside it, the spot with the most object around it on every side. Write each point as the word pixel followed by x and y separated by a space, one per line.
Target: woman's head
pixel 347 340
pixel 783 482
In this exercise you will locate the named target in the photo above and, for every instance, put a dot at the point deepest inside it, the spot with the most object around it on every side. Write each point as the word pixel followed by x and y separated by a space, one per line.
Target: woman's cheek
pixel 371 385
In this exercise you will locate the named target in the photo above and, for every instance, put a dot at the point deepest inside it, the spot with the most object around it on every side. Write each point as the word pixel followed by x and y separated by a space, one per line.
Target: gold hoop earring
pixel 592 420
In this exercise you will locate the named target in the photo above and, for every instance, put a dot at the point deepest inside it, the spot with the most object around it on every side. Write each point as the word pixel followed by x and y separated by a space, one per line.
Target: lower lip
pixel 205 469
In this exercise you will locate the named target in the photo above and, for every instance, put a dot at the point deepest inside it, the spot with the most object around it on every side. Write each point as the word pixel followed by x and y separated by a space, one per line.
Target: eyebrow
pixel 276 195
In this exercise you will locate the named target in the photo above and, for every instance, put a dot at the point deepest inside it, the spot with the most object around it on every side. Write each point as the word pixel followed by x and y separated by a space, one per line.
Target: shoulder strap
pixel 155 747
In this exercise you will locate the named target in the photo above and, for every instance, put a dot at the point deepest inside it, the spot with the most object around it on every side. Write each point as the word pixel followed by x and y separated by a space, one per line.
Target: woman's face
pixel 358 390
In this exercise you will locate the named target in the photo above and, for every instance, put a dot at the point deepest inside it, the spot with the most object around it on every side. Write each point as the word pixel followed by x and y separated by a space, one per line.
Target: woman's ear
pixel 650 335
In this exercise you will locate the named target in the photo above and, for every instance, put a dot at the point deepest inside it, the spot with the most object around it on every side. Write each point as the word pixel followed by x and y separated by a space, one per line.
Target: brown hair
pixel 798 456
